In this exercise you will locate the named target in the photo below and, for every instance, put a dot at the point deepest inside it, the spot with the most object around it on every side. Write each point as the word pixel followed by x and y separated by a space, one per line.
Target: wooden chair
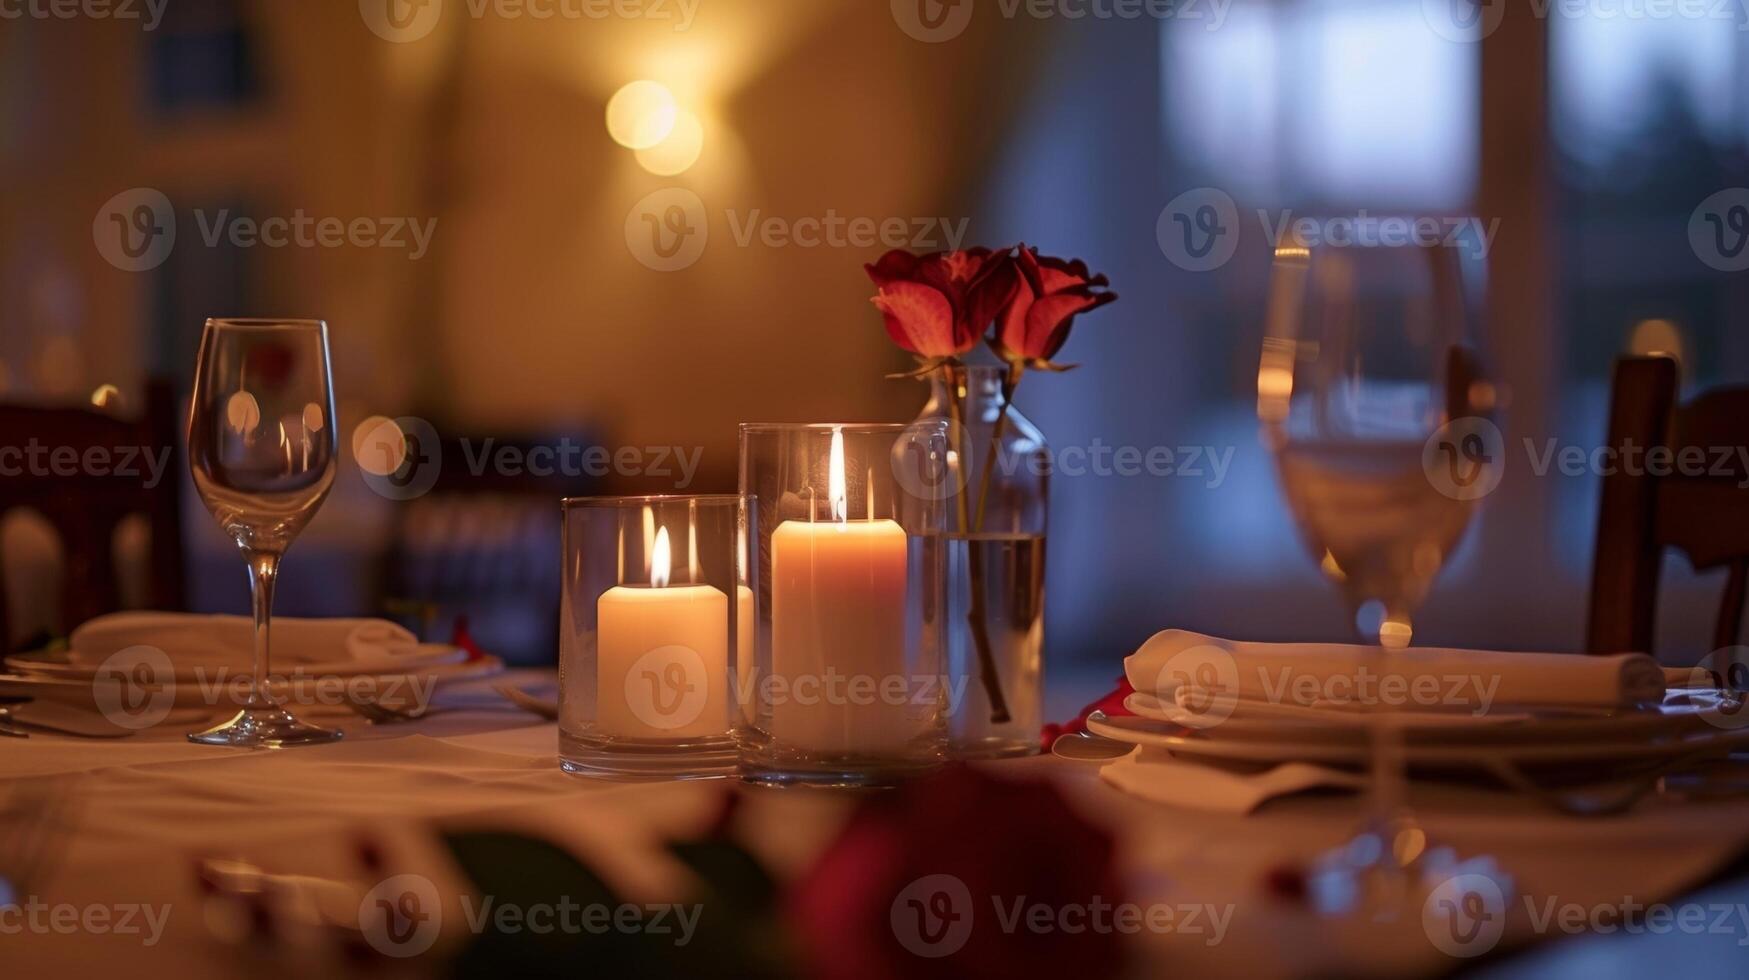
pixel 85 505
pixel 1702 511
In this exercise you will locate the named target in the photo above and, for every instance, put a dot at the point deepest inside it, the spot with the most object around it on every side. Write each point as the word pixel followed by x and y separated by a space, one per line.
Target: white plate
pixel 425 655
pixel 81 692
pixel 1682 713
pixel 1640 737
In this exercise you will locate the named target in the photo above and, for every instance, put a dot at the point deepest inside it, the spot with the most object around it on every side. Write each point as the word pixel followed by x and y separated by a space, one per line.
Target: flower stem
pixel 975 614
pixel 1009 383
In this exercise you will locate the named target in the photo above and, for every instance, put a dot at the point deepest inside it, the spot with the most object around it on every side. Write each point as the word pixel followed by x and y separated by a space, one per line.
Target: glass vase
pixel 995 564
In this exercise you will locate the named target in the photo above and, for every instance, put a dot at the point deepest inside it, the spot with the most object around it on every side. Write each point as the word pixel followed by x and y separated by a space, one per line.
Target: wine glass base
pixel 1390 871
pixel 265 728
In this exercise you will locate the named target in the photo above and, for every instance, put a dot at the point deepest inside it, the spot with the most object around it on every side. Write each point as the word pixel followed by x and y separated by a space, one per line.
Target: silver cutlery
pixel 379 713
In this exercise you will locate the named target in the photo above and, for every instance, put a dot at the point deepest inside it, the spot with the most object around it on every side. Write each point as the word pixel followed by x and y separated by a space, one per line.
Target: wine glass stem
pixel 263 569
pixel 1388 798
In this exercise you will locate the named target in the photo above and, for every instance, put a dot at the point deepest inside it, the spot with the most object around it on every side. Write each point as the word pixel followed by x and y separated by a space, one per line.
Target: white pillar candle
pixel 840 680
pixel 662 657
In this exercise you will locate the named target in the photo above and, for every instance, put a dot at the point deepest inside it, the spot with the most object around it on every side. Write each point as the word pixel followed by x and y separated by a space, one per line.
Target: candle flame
pixel 659 560
pixel 649 536
pixel 835 479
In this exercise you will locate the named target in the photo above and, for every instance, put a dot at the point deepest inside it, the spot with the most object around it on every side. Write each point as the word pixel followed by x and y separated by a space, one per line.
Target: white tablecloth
pixel 147 809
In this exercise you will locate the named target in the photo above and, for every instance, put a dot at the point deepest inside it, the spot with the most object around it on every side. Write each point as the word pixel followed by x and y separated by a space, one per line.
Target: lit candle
pixel 662 656
pixel 838 629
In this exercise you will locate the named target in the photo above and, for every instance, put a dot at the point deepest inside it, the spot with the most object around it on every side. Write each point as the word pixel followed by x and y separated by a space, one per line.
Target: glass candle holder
pixel 847 683
pixel 656 612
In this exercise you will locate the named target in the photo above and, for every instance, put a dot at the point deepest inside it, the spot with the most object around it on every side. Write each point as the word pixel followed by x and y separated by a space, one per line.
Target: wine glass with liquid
pixel 262 447
pixel 1366 388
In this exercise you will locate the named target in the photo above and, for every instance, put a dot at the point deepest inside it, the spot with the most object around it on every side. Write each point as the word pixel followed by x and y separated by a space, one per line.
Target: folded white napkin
pixel 229 641
pixel 1423 678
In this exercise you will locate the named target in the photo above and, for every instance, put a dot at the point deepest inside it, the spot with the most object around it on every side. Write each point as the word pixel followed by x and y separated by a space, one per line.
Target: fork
pixel 378 713
pixel 9 724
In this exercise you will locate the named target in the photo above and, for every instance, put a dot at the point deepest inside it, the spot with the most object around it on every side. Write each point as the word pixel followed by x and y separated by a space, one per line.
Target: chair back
pixel 84 471
pixel 1679 482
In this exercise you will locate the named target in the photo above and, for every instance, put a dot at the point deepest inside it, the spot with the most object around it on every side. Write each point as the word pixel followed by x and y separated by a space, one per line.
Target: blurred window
pixel 1319 101
pixel 201 57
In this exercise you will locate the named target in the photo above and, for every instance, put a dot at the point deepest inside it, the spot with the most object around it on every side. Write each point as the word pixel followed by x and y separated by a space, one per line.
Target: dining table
pixel 148 821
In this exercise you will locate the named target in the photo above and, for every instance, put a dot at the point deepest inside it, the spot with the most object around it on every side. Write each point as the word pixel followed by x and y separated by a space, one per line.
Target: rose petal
pixel 896 265
pixel 990 292
pixel 918 318
pixel 1049 319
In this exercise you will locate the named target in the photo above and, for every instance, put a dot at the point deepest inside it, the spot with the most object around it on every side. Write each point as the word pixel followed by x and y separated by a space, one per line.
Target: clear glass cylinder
pixel 847 685
pixel 656 614
pixel 995 563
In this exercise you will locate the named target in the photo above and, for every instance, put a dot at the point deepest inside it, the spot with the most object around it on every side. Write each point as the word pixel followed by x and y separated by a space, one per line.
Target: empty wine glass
pixel 1366 389
pixel 262 447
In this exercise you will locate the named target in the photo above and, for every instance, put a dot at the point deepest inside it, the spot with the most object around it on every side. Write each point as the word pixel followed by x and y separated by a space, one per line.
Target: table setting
pixel 804 729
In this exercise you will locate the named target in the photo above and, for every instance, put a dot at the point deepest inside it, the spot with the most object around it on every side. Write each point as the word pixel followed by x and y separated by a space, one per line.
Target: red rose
pixel 937 306
pixel 912 886
pixel 1050 292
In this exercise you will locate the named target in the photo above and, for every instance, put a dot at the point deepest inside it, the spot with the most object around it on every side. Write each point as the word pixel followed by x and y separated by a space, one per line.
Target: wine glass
pixel 1367 389
pixel 262 447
